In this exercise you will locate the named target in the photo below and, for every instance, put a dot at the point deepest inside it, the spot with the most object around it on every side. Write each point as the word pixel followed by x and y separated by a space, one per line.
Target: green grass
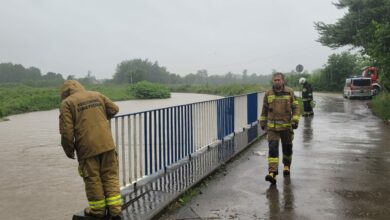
pixel 381 106
pixel 21 98
pixel 225 90
pixel 18 98
pixel 114 92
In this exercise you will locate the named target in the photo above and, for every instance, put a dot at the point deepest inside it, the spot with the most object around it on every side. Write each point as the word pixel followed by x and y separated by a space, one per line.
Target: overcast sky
pixel 74 36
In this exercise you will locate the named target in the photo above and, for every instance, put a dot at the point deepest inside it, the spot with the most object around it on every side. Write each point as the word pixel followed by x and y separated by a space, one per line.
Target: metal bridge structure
pixel 164 152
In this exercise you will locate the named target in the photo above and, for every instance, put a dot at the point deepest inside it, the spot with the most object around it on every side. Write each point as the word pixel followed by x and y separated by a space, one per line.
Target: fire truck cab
pixel 372 73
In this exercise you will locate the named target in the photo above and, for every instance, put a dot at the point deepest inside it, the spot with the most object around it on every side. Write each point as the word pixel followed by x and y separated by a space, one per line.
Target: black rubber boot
pixel 286 171
pixel 271 177
pixel 88 212
pixel 117 217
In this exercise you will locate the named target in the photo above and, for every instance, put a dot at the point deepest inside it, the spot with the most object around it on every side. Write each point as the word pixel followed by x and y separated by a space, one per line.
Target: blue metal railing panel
pixel 252 108
pixel 253 133
pixel 225 112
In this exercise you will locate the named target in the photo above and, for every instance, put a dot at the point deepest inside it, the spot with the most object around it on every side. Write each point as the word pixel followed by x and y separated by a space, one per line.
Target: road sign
pixel 299 68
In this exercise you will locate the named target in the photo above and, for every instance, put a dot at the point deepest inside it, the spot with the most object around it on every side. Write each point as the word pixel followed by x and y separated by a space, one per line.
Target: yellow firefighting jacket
pixel 280 109
pixel 83 120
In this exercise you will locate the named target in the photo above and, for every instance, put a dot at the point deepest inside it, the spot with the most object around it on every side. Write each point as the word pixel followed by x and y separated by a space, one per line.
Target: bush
pixel 381 106
pixel 148 90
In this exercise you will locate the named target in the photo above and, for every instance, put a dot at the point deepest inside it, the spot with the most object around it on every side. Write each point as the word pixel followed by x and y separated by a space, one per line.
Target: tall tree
pixel 132 71
pixel 338 68
pixel 366 25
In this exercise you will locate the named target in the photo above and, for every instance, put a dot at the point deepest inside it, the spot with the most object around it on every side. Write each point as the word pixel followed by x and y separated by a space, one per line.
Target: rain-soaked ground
pixel 340 170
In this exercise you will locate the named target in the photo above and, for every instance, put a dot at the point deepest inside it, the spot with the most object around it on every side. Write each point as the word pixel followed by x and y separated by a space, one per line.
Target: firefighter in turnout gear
pixel 307 97
pixel 85 130
pixel 279 116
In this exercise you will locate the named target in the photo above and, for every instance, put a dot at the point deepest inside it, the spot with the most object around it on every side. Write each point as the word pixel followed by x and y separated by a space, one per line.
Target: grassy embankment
pixel 381 106
pixel 15 99
pixel 19 98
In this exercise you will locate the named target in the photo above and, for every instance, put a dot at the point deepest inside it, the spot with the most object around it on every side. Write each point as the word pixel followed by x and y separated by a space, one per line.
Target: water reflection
pixel 288 195
pixel 307 131
pixel 331 104
pixel 273 201
pixel 284 209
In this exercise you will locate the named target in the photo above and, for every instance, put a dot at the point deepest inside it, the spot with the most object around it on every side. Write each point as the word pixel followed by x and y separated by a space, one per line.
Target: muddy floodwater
pixel 340 170
pixel 37 180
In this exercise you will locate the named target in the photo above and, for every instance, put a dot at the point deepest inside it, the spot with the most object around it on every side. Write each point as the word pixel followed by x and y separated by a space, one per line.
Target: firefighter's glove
pixel 294 125
pixel 71 155
pixel 262 126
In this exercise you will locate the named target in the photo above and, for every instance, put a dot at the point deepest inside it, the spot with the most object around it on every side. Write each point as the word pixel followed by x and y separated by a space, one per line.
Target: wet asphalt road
pixel 340 170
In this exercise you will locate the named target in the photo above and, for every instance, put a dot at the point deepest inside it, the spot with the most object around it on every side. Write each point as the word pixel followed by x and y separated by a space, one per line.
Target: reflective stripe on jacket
pixel 280 109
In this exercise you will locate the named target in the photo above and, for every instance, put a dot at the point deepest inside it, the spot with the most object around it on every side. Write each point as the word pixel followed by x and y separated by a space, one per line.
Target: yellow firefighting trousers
pixel 286 137
pixel 101 178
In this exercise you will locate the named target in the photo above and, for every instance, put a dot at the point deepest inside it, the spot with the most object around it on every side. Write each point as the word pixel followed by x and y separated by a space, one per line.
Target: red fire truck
pixel 372 72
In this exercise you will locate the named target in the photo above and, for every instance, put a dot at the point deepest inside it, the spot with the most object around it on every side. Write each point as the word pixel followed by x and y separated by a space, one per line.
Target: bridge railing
pixel 151 141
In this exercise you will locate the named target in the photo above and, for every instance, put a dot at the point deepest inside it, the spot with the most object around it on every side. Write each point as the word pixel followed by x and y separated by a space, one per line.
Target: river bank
pixel 16 99
pixel 19 98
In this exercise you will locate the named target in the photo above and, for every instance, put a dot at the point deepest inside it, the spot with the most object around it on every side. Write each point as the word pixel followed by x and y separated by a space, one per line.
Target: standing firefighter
pixel 307 97
pixel 84 128
pixel 279 116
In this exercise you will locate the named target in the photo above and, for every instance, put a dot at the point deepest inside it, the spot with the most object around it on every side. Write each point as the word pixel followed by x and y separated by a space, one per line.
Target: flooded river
pixel 37 180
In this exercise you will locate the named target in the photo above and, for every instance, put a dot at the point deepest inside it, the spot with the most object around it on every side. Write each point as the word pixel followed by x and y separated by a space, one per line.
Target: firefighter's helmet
pixel 302 80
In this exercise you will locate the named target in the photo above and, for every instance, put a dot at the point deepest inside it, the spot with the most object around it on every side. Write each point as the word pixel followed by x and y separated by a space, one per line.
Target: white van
pixel 358 87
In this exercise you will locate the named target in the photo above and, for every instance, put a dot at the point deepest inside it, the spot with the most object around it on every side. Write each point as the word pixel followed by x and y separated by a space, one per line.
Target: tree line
pixel 128 72
pixel 136 70
pixel 329 78
pixel 17 73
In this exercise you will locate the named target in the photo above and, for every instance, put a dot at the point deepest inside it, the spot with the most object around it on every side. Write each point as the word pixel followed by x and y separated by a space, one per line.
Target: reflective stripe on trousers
pixel 99 204
pixel 114 200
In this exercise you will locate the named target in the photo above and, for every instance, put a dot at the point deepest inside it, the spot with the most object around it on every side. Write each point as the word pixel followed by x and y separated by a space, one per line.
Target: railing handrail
pixel 192 103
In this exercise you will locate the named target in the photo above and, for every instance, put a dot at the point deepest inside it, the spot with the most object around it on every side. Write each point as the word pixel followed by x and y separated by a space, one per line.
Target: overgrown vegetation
pixel 114 92
pixel 16 99
pixel 381 106
pixel 148 90
pixel 20 98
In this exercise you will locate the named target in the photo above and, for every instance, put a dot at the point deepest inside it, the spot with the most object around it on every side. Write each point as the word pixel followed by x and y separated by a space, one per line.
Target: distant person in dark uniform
pixel 307 97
